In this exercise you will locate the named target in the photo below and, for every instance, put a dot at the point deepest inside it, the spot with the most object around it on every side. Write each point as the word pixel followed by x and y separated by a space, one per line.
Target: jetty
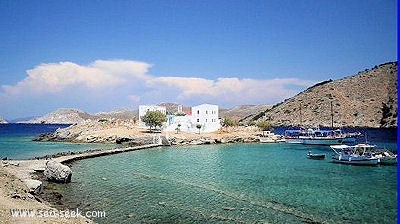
pixel 24 169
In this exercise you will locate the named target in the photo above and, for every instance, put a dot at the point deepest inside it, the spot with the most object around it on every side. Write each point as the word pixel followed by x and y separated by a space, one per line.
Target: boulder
pixel 34 186
pixel 57 172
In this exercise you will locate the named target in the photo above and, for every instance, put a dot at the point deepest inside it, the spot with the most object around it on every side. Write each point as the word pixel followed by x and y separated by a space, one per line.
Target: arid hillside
pixel 366 99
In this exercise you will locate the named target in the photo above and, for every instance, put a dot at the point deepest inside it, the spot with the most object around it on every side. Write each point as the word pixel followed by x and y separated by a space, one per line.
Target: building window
pixel 206 111
pixel 206 120
pixel 198 120
pixel 198 111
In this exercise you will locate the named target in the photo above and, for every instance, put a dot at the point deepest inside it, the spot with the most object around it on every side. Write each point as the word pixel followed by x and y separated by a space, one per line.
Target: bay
pixel 238 183
pixel 231 183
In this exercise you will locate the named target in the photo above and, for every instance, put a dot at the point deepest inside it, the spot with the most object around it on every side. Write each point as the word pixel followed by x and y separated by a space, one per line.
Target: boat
pixel 351 137
pixel 315 156
pixel 360 154
pixel 314 136
pixel 386 157
pixel 270 137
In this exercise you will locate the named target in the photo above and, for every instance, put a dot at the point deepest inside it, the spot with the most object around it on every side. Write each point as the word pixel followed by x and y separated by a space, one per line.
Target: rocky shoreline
pixel 124 132
pixel 23 185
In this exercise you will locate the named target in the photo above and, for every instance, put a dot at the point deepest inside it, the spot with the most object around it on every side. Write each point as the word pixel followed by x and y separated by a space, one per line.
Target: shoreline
pixel 21 187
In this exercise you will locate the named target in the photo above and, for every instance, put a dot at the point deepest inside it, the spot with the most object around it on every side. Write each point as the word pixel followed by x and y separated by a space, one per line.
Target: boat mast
pixel 301 122
pixel 331 115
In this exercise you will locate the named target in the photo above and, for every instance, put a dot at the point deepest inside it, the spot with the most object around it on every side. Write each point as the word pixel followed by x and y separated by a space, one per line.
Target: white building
pixel 143 110
pixel 205 114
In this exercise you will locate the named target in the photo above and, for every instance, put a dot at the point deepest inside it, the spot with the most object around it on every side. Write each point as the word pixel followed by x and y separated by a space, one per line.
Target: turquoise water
pixel 238 183
pixel 16 141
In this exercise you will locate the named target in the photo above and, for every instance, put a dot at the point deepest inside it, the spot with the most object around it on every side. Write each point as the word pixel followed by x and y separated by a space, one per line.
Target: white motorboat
pixel 360 154
pixel 270 137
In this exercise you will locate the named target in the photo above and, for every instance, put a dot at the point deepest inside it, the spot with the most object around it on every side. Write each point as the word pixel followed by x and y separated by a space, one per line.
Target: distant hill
pixel 366 99
pixel 125 114
pixel 61 116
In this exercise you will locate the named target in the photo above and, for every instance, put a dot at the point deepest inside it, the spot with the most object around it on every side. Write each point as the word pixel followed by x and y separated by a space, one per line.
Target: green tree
pixel 198 126
pixel 251 123
pixel 227 122
pixel 134 120
pixel 154 119
pixel 264 125
pixel 178 128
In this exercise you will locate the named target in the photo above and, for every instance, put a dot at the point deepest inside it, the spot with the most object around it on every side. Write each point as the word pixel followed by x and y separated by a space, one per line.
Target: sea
pixel 225 183
pixel 16 141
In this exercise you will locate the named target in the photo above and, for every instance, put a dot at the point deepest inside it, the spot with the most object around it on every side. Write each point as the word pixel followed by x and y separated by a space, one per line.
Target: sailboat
pixel 316 136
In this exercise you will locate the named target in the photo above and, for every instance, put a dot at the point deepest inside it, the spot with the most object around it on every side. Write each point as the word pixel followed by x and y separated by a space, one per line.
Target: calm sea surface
pixel 232 183
pixel 16 141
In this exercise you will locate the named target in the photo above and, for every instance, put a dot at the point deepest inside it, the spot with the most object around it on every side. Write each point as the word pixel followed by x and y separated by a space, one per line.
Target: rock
pixel 122 140
pixel 57 172
pixel 34 186
pixel 13 163
pixel 17 196
pixel 91 139
pixel 134 141
pixel 45 137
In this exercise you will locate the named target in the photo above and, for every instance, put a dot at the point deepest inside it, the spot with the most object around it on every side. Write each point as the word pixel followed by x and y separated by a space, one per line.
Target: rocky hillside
pixel 124 114
pixel 366 99
pixel 61 116
pixel 243 113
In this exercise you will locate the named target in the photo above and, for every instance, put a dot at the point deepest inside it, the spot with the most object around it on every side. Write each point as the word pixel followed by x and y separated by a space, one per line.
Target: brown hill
pixel 243 113
pixel 366 99
pixel 61 116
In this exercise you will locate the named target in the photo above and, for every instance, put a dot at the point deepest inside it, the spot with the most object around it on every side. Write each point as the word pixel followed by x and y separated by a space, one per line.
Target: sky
pixel 100 55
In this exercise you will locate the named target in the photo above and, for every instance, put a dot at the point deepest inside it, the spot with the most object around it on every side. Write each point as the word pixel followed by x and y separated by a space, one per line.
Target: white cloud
pixel 55 77
pixel 134 98
pixel 124 83
pixel 231 89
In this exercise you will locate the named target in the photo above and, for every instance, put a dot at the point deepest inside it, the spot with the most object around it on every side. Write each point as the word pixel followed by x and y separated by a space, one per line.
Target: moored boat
pixel 270 137
pixel 360 154
pixel 314 136
pixel 386 158
pixel 315 156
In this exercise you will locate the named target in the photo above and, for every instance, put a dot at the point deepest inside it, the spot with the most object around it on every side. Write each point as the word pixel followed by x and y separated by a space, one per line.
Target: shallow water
pixel 240 183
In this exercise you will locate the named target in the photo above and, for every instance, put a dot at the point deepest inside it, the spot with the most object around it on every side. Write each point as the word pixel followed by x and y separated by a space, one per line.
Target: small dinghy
pixel 315 156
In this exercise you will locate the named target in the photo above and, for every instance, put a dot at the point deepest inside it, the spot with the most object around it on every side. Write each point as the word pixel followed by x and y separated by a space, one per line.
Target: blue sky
pixel 102 55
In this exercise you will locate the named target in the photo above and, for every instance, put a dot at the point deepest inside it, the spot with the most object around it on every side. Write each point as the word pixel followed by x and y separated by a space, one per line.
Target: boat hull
pixel 293 141
pixel 361 162
pixel 322 141
pixel 315 141
pixel 316 156
pixel 388 161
